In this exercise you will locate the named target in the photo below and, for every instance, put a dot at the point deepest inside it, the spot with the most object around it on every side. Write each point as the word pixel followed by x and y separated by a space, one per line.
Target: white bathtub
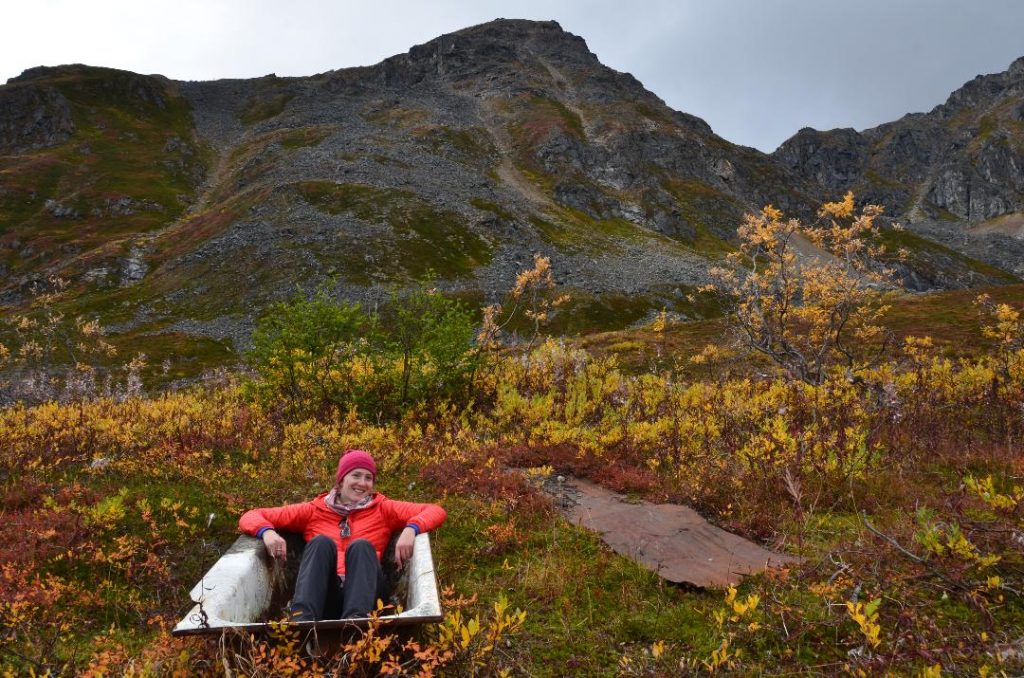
pixel 236 593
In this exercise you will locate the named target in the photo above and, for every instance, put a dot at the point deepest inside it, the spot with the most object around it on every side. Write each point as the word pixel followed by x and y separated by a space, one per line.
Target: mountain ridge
pixel 947 174
pixel 188 206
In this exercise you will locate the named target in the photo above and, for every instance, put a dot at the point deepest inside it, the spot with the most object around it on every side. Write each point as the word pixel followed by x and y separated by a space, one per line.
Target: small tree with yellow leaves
pixel 809 312
pixel 1006 330
pixel 533 296
pixel 50 356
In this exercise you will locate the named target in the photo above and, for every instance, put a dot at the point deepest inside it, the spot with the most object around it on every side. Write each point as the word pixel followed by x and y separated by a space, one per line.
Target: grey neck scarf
pixel 334 502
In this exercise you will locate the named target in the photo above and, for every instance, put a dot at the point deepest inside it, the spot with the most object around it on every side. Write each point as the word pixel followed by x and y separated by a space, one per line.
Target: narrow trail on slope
pixel 506 170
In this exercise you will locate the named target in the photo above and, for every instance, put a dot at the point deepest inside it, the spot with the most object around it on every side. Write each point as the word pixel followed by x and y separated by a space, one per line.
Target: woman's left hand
pixel 403 547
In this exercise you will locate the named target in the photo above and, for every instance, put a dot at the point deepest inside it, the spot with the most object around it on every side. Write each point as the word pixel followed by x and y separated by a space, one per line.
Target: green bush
pixel 320 357
pixel 432 338
pixel 302 347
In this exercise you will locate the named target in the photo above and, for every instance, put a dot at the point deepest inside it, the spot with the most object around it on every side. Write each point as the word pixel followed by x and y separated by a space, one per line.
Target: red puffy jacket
pixel 376 522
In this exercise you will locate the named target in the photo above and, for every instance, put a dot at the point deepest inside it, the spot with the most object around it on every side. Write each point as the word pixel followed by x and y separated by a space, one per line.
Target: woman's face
pixel 356 486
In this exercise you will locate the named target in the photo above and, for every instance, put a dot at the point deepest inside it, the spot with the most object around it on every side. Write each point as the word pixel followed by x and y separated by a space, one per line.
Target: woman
pixel 351 520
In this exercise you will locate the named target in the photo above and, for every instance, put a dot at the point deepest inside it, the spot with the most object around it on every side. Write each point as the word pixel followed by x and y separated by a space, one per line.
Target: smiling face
pixel 356 486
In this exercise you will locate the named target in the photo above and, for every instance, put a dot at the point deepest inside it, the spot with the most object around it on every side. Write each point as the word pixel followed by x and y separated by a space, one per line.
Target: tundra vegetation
pixel 894 475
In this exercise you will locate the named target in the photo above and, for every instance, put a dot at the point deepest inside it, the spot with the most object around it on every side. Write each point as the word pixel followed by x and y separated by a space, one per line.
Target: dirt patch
pixel 671 540
pixel 1008 224
pixel 807 249
pixel 514 178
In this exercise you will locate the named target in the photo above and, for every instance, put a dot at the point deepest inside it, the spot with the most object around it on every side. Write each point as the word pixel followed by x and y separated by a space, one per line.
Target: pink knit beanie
pixel 353 459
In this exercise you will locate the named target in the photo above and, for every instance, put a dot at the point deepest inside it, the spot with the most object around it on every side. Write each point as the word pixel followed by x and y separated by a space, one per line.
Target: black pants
pixel 319 592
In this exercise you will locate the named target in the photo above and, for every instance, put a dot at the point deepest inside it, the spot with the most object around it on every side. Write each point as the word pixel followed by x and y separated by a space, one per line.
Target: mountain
pixel 954 175
pixel 179 210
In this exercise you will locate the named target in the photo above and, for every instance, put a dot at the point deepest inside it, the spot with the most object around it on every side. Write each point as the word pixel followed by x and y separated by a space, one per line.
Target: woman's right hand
pixel 277 547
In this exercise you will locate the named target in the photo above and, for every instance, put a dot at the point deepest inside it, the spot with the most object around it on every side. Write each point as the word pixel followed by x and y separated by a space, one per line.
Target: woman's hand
pixel 403 547
pixel 277 547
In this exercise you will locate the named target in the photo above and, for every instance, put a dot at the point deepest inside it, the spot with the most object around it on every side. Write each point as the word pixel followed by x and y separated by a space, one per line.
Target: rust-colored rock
pixel 672 540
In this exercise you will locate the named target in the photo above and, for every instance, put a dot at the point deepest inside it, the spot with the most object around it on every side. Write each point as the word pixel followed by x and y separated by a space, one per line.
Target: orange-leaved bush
pixel 809 297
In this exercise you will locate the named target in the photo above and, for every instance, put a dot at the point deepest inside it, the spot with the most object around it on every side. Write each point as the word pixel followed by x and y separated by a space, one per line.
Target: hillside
pixel 867 435
pixel 954 175
pixel 906 519
pixel 179 210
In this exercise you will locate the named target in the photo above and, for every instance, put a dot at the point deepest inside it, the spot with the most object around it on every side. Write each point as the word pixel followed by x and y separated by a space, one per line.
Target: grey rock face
pixel 59 210
pixel 515 114
pixel 473 152
pixel 951 190
pixel 134 267
pixel 961 162
pixel 33 117
pixel 832 159
pixel 1001 163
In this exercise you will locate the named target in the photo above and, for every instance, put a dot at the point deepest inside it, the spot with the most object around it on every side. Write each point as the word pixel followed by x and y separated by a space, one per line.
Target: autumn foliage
pixel 809 311
pixel 900 490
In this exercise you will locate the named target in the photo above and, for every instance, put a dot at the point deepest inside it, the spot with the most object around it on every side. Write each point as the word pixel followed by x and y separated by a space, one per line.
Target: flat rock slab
pixel 671 540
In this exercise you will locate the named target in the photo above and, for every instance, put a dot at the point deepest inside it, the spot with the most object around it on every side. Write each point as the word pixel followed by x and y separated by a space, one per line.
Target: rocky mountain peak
pixel 490 56
pixel 45 72
pixel 70 71
pixel 954 174
pixel 502 38
pixel 985 88
pixel 1016 69
pixel 832 158
pixel 462 157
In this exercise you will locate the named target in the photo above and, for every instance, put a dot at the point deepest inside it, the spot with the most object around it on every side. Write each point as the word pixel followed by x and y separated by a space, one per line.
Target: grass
pixel 536 117
pixel 588 313
pixel 583 594
pixel 249 162
pixel 708 212
pixel 944 214
pixel 304 137
pixel 471 145
pixel 263 107
pixel 640 349
pixel 133 140
pixel 534 120
pixel 196 461
pixel 656 115
pixel 397 117
pixel 187 357
pixel 201 227
pixel 605 324
pixel 986 125
pixel 950 318
pixel 27 182
pixel 426 239
pixel 492 207
pixel 573 230
pixel 921 252
pixel 877 179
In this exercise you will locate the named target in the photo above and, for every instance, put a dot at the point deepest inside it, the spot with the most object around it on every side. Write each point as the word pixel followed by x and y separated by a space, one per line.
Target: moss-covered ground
pixel 132 165
pixel 422 238
pixel 934 260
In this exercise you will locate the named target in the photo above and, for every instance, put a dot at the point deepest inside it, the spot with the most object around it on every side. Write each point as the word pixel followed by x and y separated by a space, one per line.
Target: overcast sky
pixel 755 70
